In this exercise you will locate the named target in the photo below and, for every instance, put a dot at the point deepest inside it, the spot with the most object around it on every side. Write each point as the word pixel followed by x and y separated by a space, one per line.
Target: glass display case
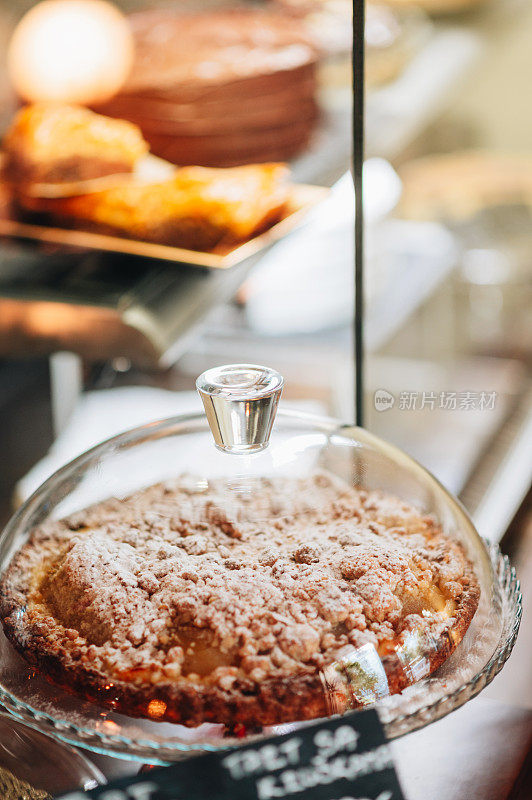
pixel 255 492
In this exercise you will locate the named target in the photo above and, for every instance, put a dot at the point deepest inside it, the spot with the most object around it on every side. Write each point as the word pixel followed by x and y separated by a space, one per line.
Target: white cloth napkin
pixel 305 283
pixel 99 415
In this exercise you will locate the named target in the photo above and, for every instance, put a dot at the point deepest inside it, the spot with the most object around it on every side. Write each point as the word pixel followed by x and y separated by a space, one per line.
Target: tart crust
pixel 163 606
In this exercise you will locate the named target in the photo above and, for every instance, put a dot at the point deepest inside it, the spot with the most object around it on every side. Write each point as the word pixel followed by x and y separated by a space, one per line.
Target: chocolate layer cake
pixel 163 605
pixel 220 88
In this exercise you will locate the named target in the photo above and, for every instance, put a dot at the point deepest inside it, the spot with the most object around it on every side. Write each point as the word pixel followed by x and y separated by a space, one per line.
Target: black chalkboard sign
pixel 345 758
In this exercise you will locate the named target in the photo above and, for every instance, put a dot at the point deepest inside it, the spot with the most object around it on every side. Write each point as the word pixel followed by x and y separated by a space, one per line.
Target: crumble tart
pixel 162 605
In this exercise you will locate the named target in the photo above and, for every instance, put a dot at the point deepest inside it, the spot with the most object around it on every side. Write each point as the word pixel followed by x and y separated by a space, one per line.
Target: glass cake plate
pixel 41 763
pixel 240 410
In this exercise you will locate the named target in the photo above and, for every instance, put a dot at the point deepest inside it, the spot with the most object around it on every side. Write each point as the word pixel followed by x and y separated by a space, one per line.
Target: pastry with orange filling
pixel 198 208
pixel 174 604
pixel 48 143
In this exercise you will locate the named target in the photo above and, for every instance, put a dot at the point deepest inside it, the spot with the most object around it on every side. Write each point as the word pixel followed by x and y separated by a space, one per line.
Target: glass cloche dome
pixel 215 577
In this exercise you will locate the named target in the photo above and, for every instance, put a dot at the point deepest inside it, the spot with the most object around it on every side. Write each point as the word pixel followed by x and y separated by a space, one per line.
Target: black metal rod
pixel 358 162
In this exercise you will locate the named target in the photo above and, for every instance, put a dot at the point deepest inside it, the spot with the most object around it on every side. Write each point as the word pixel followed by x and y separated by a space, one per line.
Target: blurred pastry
pixel 458 185
pixel 220 88
pixel 327 22
pixel 199 208
pixel 391 39
pixel 436 7
pixel 56 143
pixel 6 198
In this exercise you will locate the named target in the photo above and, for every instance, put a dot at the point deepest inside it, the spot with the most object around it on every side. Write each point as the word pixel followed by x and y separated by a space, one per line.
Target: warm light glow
pixel 70 51
pixel 156 708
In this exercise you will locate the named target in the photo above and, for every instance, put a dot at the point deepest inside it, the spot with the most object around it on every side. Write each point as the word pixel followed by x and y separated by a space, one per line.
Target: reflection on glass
pixel 356 678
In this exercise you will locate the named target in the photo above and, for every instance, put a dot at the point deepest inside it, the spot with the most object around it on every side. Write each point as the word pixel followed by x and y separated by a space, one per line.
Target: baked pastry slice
pixel 457 186
pixel 199 208
pixel 61 143
pixel 436 7
pixel 174 604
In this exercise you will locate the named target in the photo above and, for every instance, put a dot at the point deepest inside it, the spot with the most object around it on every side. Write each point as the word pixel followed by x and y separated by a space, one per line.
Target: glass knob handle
pixel 240 402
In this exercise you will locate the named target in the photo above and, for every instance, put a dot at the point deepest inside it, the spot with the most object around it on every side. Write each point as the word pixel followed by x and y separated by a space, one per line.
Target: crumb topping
pixel 173 584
